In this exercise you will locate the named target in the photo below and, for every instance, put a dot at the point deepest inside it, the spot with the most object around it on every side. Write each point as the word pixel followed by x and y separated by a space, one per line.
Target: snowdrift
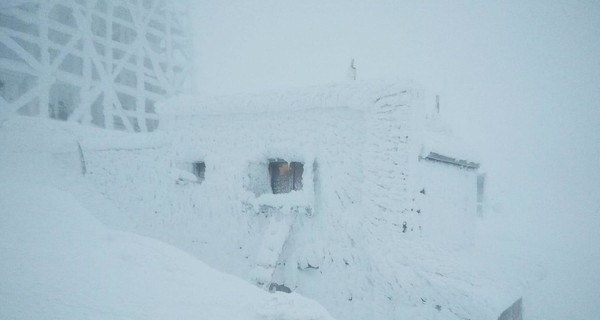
pixel 57 261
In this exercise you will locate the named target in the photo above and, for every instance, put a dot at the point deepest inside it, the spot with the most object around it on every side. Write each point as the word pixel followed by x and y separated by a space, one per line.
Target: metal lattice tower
pixel 104 62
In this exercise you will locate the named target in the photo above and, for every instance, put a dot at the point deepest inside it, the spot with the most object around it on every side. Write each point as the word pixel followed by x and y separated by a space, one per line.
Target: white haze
pixel 519 81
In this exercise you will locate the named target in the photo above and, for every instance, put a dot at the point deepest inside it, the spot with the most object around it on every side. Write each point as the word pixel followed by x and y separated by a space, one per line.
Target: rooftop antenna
pixel 352 70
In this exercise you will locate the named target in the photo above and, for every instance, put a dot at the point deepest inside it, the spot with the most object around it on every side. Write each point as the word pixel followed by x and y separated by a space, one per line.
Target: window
pixel 190 172
pixel 198 168
pixel 285 176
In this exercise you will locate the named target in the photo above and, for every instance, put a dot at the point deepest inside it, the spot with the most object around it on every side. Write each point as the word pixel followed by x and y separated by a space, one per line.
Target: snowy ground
pixel 57 261
pixel 565 252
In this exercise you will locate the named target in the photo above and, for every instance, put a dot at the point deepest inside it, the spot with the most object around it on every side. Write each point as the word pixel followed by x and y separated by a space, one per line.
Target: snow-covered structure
pixel 371 146
pixel 354 195
pixel 104 62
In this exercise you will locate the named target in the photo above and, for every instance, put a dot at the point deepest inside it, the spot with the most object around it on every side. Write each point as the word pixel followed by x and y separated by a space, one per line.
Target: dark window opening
pixel 285 176
pixel 60 111
pixel 199 168
pixel 274 287
pixel 62 100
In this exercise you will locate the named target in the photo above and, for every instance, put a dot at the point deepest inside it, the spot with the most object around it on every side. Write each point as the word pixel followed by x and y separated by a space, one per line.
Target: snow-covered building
pixel 367 146
pixel 351 194
pixel 354 195
pixel 104 62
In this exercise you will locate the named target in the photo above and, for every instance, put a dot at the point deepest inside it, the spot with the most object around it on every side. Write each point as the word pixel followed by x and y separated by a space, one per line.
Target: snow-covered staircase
pixel 276 235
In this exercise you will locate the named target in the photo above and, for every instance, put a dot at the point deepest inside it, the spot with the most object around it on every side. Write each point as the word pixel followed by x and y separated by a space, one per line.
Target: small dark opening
pixel 273 287
pixel 285 176
pixel 60 111
pixel 199 168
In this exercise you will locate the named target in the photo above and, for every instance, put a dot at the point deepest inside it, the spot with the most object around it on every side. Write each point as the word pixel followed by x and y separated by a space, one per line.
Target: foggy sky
pixel 519 81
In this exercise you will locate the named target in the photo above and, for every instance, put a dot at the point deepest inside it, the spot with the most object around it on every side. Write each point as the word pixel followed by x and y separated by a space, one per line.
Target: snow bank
pixel 58 262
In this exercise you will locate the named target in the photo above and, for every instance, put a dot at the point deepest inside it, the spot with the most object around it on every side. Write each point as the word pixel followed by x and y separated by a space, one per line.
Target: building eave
pixel 436 157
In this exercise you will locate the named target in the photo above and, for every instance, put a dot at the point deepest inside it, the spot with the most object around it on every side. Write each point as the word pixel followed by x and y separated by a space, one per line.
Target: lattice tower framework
pixel 105 62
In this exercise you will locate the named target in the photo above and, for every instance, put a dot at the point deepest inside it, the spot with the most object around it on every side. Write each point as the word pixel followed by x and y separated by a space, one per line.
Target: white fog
pixel 383 217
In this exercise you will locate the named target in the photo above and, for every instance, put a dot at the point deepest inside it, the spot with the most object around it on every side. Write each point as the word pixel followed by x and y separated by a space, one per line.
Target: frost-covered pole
pixel 141 79
pixel 351 71
pixel 82 113
pixel 44 77
pixel 108 114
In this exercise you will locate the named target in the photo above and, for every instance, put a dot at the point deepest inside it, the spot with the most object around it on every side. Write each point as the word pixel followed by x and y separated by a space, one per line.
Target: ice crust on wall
pixel 360 144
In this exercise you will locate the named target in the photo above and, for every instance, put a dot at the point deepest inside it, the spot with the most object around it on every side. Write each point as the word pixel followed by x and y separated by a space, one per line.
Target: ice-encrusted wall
pixel 447 198
pixel 115 169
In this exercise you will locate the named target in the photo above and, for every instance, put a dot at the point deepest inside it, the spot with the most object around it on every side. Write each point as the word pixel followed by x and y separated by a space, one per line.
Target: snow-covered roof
pixel 440 144
pixel 436 136
pixel 355 95
pixel 433 156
